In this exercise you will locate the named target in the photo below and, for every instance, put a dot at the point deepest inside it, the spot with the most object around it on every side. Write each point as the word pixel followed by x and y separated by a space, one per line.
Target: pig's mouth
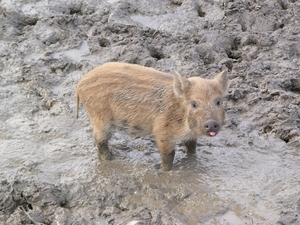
pixel 212 133
pixel 211 127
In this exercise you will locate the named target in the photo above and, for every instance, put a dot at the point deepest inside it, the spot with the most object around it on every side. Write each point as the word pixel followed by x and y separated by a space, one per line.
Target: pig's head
pixel 203 98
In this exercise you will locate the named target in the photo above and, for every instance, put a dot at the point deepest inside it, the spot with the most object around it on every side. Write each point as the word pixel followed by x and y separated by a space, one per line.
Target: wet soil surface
pixel 49 169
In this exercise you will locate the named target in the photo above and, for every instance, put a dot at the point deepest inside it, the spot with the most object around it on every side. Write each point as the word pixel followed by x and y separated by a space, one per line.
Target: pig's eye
pixel 194 104
pixel 218 102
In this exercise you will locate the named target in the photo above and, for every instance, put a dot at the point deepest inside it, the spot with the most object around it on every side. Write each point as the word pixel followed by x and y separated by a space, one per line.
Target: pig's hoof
pixel 105 156
pixel 191 151
pixel 166 167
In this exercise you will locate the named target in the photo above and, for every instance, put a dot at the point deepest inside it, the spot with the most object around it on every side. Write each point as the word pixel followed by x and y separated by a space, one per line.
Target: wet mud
pixel 49 169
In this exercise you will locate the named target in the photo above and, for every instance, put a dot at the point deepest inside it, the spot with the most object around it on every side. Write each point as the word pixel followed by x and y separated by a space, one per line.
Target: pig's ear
pixel 180 84
pixel 222 78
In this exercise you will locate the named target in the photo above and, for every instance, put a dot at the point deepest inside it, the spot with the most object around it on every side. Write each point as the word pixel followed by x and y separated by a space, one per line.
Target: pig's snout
pixel 211 127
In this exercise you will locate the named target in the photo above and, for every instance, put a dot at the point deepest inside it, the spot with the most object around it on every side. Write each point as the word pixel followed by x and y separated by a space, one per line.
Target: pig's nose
pixel 211 127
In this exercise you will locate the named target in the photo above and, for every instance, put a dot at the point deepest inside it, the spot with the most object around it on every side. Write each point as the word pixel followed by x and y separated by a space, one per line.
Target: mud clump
pixel 49 170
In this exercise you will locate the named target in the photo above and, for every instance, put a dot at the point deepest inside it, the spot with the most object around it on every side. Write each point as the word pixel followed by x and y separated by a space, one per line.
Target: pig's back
pixel 128 95
pixel 127 74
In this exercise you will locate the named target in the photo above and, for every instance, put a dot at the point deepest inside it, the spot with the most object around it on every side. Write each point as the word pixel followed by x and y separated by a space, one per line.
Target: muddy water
pixel 49 169
pixel 230 180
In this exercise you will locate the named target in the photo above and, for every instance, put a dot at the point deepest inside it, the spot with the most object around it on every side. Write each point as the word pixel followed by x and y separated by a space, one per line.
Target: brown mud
pixel 49 169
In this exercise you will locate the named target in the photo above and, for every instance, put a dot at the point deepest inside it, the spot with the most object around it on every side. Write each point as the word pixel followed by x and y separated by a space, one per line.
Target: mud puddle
pixel 77 54
pixel 222 184
pixel 154 22
pixel 230 179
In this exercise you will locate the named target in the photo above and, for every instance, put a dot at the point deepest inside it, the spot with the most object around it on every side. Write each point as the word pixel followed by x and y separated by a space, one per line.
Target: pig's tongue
pixel 212 133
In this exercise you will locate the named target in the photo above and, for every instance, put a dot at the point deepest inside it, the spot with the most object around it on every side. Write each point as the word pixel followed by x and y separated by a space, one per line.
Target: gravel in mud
pixel 49 169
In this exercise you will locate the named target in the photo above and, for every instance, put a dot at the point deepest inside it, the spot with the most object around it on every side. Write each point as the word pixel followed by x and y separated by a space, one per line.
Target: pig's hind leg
pixel 167 153
pixel 102 135
pixel 190 146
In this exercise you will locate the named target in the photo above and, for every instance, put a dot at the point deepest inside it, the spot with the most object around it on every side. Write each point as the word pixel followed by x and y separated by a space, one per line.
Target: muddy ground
pixel 49 169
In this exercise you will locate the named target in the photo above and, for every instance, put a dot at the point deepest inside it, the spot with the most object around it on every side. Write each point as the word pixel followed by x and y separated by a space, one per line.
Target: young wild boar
pixel 144 101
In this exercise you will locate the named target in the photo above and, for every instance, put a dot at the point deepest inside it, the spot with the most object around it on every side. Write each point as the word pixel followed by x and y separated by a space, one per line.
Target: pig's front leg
pixel 191 146
pixel 167 152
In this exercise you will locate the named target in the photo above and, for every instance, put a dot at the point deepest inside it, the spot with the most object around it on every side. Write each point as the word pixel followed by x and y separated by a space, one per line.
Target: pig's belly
pixel 137 130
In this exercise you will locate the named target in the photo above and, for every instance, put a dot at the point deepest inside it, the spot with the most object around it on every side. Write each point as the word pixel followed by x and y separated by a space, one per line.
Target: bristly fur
pixel 144 101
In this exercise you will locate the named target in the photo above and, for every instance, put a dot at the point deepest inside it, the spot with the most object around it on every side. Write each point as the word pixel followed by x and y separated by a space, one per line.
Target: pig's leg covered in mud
pixel 167 152
pixel 101 140
pixel 103 151
pixel 190 146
